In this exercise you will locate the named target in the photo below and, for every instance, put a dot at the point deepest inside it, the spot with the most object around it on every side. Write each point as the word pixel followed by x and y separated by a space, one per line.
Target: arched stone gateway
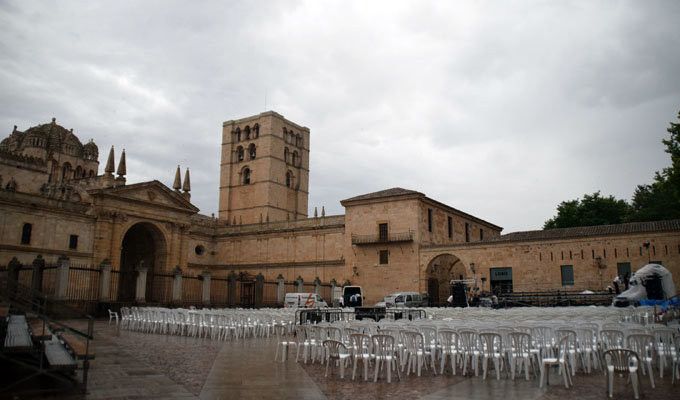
pixel 440 271
pixel 143 246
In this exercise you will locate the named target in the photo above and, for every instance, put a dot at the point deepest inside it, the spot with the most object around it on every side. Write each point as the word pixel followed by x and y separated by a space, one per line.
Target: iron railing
pixel 392 237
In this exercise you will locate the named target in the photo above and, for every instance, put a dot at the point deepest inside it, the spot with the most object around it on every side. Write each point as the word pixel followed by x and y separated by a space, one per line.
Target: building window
pixel 449 221
pixel 246 176
pixel 382 232
pixel 481 234
pixel 26 234
pixel 286 155
pixel 251 151
pixel 199 250
pixel 623 270
pixel 256 131
pixel 73 242
pixel 239 154
pixel 567 275
pixel 238 134
pixel 289 179
pixel 467 232
pixel 384 257
pixel 295 158
pixel 429 220
pixel 246 131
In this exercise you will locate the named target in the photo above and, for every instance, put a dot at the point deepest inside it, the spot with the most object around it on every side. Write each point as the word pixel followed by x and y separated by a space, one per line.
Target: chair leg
pixel 610 384
pixel 635 382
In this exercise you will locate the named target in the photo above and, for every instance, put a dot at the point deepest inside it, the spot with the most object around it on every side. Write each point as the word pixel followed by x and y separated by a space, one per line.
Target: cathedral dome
pixel 90 150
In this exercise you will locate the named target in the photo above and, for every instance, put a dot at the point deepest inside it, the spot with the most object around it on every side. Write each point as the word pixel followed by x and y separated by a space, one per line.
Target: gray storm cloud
pixel 499 109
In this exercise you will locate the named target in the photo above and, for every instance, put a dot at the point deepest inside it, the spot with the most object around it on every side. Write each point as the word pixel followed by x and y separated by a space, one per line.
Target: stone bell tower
pixel 264 170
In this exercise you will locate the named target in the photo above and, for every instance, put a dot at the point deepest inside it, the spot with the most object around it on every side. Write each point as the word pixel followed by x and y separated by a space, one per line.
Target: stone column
pixel 280 289
pixel 140 292
pixel 231 283
pixel 38 268
pixel 317 286
pixel 177 285
pixel 299 284
pixel 13 269
pixel 259 290
pixel 63 266
pixel 105 281
pixel 206 287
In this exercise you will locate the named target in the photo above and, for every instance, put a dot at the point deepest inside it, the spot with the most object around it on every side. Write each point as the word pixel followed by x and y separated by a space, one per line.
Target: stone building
pixel 55 203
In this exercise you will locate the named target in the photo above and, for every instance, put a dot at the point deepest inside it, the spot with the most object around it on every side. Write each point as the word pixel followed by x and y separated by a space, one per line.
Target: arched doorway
pixel 143 245
pixel 440 271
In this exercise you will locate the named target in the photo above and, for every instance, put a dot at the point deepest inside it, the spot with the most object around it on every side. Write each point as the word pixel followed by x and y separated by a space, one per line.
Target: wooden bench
pixel 78 346
pixel 37 334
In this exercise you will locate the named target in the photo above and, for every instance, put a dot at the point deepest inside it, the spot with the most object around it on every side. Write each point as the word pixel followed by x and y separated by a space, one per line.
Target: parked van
pixel 303 300
pixel 404 299
pixel 352 296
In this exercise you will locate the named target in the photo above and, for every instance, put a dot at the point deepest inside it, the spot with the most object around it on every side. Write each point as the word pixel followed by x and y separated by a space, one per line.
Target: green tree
pixel 661 199
pixel 593 209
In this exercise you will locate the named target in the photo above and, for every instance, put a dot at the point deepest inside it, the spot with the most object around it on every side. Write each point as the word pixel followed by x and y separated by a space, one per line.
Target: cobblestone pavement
pixel 131 365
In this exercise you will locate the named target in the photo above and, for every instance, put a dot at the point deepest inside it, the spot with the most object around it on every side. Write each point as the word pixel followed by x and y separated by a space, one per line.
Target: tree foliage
pixel 661 199
pixel 656 201
pixel 593 209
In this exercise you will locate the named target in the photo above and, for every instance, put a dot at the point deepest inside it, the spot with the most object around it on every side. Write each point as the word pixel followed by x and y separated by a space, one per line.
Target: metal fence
pixel 218 291
pixel 192 289
pixel 83 283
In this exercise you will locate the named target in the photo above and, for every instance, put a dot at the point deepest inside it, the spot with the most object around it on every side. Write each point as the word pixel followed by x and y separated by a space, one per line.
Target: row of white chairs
pixel 219 324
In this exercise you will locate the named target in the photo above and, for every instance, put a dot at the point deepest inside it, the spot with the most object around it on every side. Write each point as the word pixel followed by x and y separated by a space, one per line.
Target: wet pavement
pixel 132 365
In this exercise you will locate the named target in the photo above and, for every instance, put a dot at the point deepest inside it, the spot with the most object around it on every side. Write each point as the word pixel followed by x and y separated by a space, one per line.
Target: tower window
pixel 246 176
pixel 246 131
pixel 467 232
pixel 286 155
pixel 73 242
pixel 239 154
pixel 429 220
pixel 251 151
pixel 256 131
pixel 237 133
pixel 481 234
pixel 295 158
pixel 289 179
pixel 449 223
pixel 26 233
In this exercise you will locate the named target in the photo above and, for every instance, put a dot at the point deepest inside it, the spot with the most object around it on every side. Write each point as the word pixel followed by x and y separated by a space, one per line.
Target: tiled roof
pixel 397 191
pixel 587 231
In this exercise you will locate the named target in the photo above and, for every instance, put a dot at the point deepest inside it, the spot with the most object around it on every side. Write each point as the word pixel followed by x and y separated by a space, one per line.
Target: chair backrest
pixel 570 334
pixel 621 359
pixel 641 343
pixel 334 333
pixel 468 340
pixel 521 343
pixel 335 348
pixel 448 338
pixel 360 343
pixel 492 342
pixel 383 345
pixel 664 337
pixel 611 338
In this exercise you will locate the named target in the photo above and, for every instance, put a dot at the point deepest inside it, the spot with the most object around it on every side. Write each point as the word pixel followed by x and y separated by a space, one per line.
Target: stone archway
pixel 440 271
pixel 143 245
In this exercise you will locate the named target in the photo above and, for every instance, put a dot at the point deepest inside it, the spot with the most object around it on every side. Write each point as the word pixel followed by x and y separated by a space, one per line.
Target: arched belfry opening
pixel 143 246
pixel 440 271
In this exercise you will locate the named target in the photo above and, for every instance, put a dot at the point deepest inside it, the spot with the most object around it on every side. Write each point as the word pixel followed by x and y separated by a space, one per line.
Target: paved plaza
pixel 133 365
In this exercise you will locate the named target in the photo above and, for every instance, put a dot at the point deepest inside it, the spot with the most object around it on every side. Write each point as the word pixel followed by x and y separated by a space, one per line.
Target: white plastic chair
pixel 491 347
pixel 621 361
pixel 337 353
pixel 561 361
pixel 112 315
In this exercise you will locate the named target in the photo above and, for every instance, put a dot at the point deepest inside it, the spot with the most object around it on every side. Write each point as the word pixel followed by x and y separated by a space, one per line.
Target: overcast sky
pixel 499 109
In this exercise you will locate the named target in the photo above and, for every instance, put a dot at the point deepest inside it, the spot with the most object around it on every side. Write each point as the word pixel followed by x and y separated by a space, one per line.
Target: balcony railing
pixel 397 237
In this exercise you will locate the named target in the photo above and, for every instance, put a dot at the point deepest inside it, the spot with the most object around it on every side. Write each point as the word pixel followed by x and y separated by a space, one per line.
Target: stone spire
pixel 316 213
pixel 110 167
pixel 323 211
pixel 121 166
pixel 186 187
pixel 177 185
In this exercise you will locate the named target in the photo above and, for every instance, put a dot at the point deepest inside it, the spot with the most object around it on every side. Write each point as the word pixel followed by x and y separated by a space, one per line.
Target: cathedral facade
pixel 55 203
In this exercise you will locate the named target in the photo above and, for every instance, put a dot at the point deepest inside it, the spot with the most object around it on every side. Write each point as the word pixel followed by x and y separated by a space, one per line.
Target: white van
pixel 404 299
pixel 303 300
